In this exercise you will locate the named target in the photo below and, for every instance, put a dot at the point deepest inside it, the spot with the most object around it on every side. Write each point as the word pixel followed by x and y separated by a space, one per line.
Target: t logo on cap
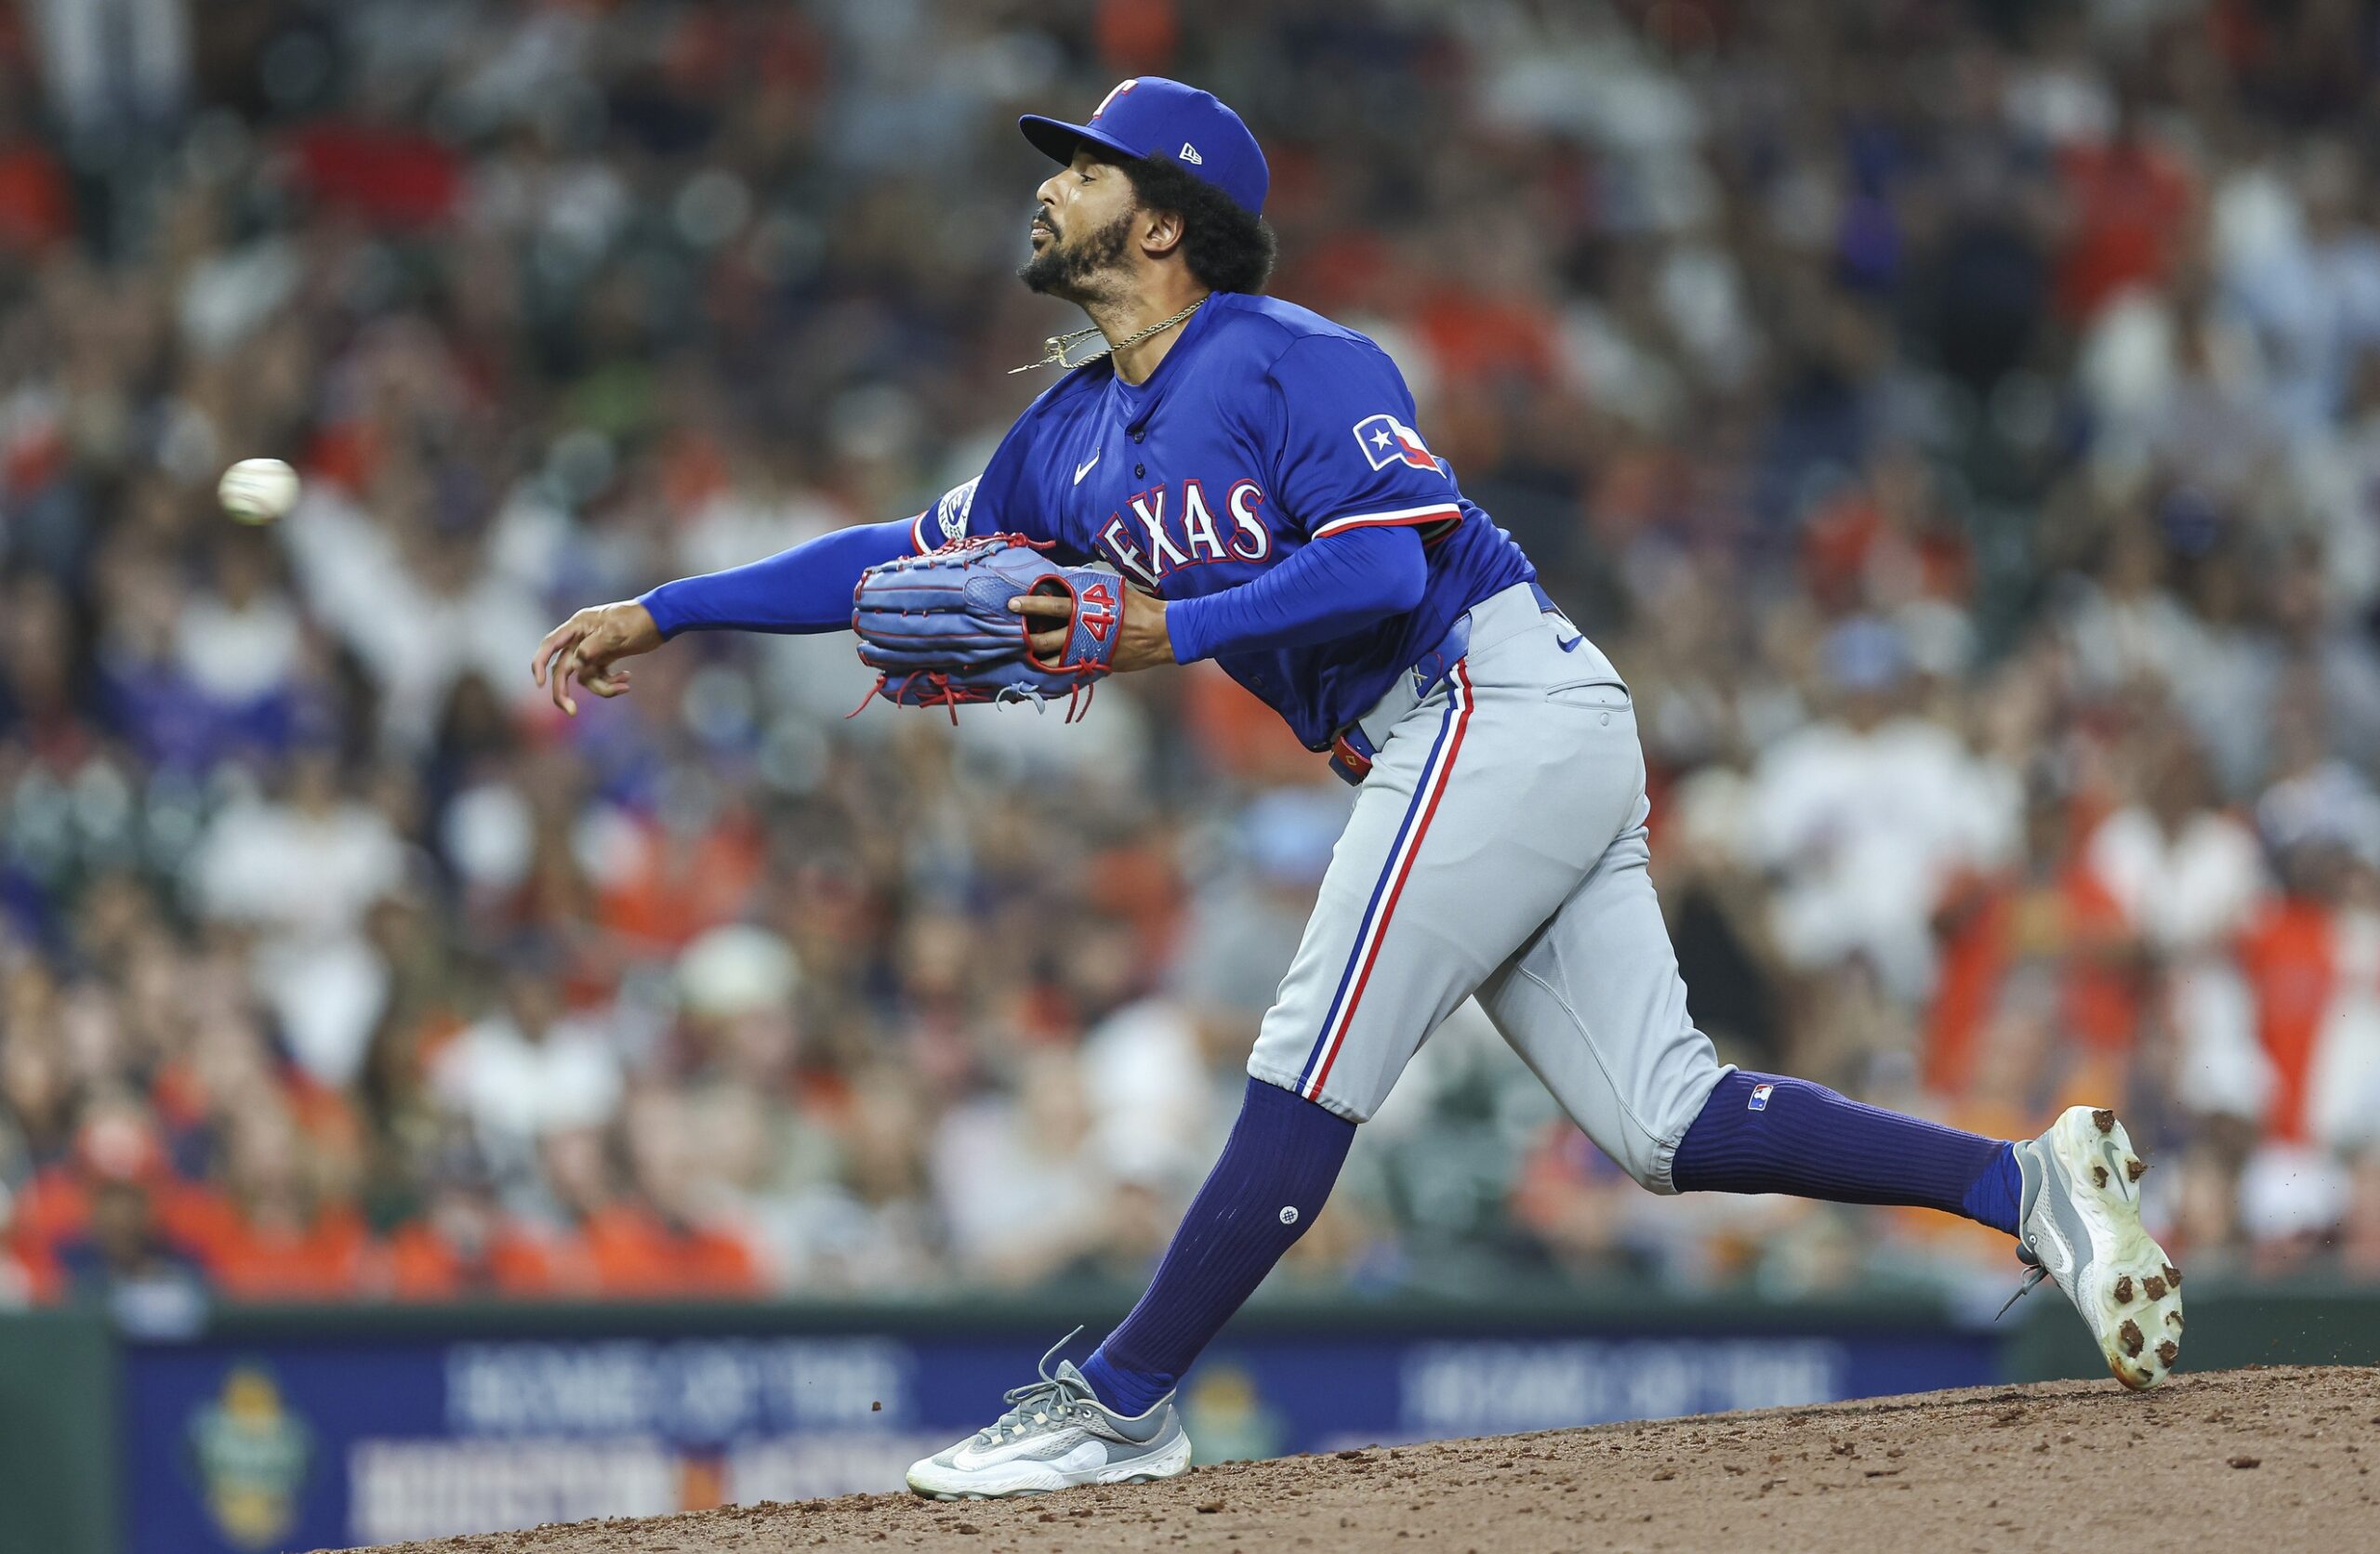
pixel 1149 116
pixel 1113 93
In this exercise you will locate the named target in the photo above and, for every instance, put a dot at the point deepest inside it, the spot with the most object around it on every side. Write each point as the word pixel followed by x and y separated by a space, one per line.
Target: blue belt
pixel 1354 746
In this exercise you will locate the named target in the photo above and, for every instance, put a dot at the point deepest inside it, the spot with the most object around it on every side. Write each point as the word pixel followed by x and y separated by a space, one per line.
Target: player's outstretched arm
pixel 807 588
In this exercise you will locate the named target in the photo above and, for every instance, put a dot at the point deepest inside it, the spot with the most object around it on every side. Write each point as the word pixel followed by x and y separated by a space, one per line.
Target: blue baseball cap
pixel 1150 117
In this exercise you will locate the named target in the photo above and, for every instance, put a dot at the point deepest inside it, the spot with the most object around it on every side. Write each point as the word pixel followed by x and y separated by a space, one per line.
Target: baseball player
pixel 1253 474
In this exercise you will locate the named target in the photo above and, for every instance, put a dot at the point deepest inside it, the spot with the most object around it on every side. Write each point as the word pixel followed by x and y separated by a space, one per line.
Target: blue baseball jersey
pixel 1266 427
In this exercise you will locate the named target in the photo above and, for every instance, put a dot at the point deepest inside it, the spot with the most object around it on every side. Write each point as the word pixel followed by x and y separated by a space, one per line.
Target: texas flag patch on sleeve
pixel 1386 441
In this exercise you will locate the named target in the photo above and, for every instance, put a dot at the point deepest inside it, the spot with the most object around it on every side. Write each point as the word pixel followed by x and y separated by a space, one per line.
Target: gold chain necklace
pixel 1056 346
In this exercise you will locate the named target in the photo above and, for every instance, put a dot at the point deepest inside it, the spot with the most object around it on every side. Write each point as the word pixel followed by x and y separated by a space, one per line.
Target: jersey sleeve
pixel 1347 455
pixel 998 501
pixel 950 518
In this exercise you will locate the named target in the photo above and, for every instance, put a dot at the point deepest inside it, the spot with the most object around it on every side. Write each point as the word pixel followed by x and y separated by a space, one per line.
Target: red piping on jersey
pixel 1401 520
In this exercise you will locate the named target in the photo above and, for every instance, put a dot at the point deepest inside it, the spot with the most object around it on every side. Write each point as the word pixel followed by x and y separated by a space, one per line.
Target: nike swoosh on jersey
pixel 1084 467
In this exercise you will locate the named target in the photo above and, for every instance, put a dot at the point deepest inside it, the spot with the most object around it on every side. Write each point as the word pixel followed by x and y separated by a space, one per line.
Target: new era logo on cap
pixel 1758 1101
pixel 1149 116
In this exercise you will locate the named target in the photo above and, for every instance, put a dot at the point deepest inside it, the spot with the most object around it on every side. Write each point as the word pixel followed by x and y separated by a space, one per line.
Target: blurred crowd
pixel 1960 421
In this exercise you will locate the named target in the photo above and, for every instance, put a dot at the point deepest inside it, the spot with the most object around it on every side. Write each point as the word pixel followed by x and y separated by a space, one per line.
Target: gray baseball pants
pixel 1497 848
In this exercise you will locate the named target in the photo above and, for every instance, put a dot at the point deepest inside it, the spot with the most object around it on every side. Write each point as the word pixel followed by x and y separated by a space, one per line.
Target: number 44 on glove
pixel 937 629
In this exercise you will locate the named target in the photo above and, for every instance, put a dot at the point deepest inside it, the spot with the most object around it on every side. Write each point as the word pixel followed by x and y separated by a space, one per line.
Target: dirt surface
pixel 2263 1459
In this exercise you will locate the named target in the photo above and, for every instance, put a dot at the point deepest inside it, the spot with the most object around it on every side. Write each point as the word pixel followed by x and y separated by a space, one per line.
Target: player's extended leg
pixel 2069 1196
pixel 1594 1005
pixel 1441 872
pixel 1485 806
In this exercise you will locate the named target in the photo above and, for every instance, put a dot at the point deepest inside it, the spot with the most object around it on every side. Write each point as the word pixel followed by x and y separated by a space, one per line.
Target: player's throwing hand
pixel 585 647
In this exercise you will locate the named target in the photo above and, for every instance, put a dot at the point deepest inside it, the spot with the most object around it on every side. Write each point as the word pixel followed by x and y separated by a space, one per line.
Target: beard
pixel 1072 269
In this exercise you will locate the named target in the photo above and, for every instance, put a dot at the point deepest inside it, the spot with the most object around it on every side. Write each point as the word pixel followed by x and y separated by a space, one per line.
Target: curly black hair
pixel 1227 247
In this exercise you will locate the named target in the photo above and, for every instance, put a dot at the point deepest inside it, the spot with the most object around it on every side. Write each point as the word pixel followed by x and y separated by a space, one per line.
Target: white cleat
pixel 1056 1434
pixel 2079 1225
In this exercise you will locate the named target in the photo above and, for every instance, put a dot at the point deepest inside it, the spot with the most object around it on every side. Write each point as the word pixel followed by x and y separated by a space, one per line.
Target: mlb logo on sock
pixel 1759 1098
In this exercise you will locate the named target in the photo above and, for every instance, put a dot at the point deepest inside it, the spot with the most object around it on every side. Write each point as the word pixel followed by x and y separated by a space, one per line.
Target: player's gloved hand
pixel 1144 642
pixel 585 647
pixel 939 629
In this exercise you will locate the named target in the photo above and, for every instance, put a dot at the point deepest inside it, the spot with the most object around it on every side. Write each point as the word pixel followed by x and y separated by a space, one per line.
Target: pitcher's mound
pixel 2260 1460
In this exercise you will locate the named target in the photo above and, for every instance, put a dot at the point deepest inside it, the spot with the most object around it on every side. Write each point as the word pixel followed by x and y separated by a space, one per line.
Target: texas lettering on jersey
pixel 1266 429
pixel 1169 528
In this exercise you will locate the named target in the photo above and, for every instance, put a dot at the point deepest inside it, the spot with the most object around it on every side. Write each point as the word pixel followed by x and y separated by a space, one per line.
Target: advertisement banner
pixel 260 1442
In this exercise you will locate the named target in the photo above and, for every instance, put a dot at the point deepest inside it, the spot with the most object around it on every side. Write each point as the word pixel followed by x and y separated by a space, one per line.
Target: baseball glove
pixel 937 629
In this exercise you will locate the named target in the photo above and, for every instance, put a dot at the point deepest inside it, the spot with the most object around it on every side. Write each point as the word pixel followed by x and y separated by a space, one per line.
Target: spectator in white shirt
pixel 527 1069
pixel 1863 817
pixel 2185 872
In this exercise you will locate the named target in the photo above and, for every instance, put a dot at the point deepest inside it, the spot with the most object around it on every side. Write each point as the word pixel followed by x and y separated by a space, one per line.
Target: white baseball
pixel 258 490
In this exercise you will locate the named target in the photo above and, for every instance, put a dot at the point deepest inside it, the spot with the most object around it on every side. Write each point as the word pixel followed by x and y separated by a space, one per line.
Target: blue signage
pixel 303 1443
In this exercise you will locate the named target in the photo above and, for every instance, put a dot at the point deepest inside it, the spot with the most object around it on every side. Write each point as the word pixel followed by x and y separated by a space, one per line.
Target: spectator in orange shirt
pixel 289 1239
pixel 463 1245
pixel 111 1218
pixel 2313 964
pixel 2048 917
pixel 643 1252
pixel 124 1248
pixel 111 1222
pixel 2131 203
pixel 2286 956
pixel 657 1240
pixel 27 1276
pixel 676 875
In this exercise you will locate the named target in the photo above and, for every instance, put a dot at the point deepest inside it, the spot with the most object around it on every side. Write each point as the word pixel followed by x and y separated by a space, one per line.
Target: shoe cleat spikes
pixel 2080 1228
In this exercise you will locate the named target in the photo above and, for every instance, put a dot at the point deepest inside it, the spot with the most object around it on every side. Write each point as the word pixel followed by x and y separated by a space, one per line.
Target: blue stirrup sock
pixel 1277 1169
pixel 1759 1133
